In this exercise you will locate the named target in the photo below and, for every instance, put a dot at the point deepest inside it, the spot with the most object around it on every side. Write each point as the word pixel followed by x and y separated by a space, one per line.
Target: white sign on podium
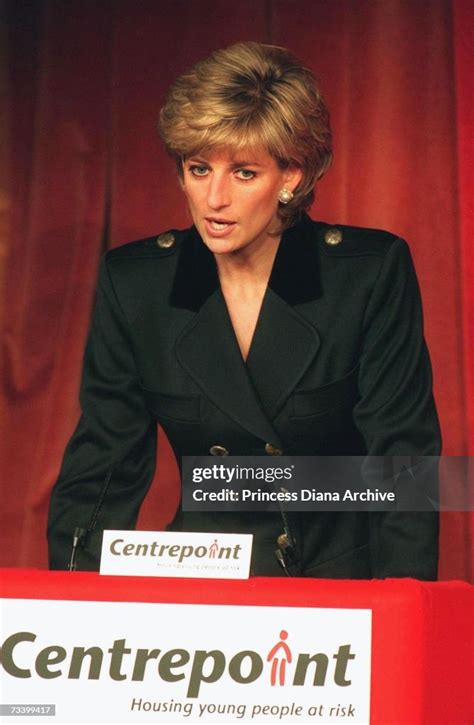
pixel 176 554
pixel 125 662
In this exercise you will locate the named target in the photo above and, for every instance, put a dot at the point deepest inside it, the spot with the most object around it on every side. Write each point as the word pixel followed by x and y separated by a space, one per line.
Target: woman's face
pixel 233 197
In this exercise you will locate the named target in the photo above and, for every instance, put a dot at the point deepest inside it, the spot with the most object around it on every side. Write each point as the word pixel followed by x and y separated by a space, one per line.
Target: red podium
pixel 421 644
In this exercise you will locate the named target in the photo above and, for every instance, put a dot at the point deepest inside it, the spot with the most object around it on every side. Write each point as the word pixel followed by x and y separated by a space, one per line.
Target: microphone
pixel 79 536
pixel 286 553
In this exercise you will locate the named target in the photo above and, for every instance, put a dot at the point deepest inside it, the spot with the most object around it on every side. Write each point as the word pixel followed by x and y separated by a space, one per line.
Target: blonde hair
pixel 252 95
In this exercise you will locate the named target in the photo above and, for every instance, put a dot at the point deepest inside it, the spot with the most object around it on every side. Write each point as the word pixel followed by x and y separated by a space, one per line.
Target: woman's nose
pixel 219 191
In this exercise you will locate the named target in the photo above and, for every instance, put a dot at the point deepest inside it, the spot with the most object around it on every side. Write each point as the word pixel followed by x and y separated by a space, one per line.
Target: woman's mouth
pixel 218 227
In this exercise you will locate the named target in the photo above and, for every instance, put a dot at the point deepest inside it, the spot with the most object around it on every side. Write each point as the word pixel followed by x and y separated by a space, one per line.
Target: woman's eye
pixel 198 170
pixel 245 174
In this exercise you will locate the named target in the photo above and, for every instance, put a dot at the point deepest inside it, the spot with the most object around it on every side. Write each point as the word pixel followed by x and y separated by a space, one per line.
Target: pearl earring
pixel 285 195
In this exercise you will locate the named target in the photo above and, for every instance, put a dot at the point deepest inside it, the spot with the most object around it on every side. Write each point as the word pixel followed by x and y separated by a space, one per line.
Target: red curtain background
pixel 84 82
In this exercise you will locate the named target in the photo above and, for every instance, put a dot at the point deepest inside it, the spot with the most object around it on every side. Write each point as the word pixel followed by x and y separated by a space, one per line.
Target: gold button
pixel 165 241
pixel 218 451
pixel 282 541
pixel 333 237
pixel 272 450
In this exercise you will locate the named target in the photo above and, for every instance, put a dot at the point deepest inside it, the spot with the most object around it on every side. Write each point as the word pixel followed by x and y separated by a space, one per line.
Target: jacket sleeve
pixel 109 462
pixel 396 413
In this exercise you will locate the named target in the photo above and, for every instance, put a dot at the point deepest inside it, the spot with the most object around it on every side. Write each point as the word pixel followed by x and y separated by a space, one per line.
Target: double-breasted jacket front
pixel 337 366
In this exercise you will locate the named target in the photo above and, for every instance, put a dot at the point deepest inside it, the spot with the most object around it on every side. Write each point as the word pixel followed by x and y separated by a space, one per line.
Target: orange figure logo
pixel 279 662
pixel 213 549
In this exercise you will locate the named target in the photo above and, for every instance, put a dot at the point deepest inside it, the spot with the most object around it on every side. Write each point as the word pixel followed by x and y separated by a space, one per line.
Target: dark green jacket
pixel 337 366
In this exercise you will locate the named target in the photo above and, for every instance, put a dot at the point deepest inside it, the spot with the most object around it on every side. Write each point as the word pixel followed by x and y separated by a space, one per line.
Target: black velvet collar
pixel 294 277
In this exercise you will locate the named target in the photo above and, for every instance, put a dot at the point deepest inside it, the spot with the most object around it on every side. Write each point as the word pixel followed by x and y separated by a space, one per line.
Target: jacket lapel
pixel 284 343
pixel 208 350
pixel 283 347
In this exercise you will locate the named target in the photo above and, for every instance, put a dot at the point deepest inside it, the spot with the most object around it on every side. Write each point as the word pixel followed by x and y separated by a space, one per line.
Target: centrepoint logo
pixel 279 666
pixel 180 552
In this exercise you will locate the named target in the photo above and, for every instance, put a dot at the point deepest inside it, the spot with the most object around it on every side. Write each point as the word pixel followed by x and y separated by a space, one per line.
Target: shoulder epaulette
pixel 161 245
pixel 342 240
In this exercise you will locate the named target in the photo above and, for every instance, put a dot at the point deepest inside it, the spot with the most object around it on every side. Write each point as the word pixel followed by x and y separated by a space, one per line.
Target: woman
pixel 257 331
